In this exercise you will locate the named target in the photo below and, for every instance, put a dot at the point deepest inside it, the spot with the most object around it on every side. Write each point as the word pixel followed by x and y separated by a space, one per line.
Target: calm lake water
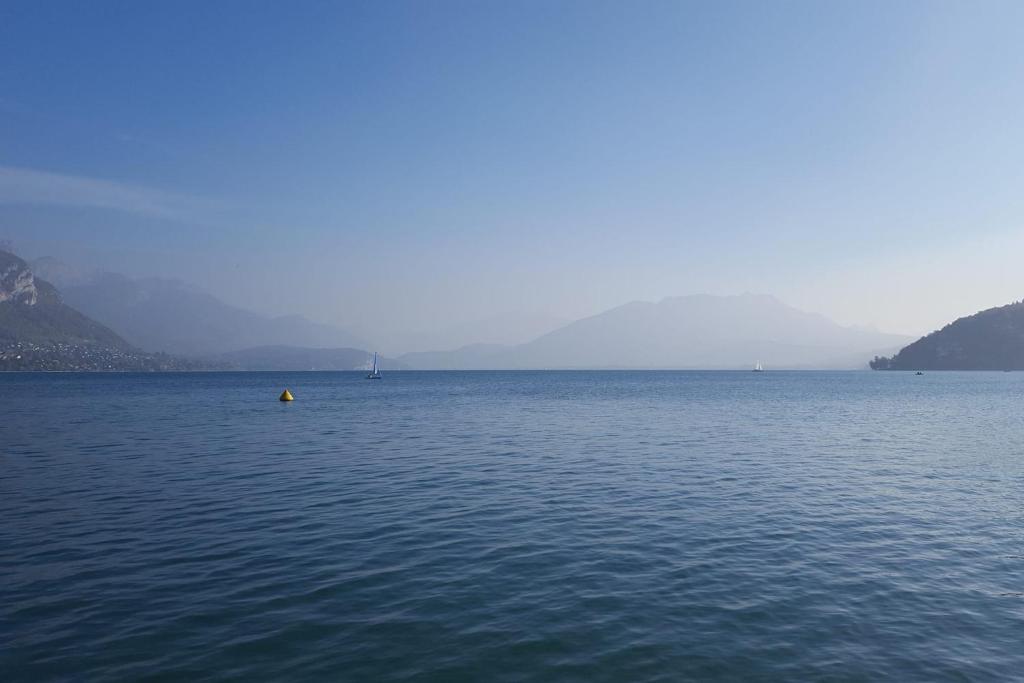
pixel 513 526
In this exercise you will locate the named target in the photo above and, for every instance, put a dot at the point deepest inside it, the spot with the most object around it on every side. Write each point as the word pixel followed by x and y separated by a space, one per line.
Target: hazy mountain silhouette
pixel 473 356
pixel 700 331
pixel 31 310
pixel 168 315
pixel 992 339
pixel 295 358
pixel 38 331
pixel 506 329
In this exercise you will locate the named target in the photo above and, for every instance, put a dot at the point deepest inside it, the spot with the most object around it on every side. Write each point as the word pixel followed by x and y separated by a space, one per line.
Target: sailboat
pixel 375 373
pixel 758 367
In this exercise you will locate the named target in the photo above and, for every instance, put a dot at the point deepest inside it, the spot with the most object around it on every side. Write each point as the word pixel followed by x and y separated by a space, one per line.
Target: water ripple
pixel 512 526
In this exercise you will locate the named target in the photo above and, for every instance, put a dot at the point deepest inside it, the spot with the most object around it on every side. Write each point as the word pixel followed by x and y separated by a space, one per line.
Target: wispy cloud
pixel 26 186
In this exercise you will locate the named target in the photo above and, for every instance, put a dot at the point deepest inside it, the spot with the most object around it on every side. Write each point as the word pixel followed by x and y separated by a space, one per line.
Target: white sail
pixel 374 373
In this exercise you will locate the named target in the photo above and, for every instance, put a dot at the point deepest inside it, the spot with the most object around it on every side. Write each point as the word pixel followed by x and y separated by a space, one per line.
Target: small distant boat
pixel 758 367
pixel 375 373
pixel 918 373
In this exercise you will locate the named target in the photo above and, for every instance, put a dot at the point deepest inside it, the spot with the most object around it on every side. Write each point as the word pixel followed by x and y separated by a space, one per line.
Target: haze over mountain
pixel 38 331
pixel 700 331
pixel 31 310
pixel 992 339
pixel 505 329
pixel 168 315
pixel 469 357
pixel 302 359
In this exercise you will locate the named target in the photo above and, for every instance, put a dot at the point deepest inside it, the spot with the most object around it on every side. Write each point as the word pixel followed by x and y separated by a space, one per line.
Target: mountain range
pixel 700 331
pixel 32 311
pixel 38 331
pixel 173 317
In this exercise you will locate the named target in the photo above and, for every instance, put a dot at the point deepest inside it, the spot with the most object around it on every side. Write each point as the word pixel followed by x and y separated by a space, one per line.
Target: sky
pixel 402 168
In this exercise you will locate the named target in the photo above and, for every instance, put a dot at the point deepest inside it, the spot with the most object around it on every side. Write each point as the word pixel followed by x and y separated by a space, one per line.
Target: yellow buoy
pixel 287 396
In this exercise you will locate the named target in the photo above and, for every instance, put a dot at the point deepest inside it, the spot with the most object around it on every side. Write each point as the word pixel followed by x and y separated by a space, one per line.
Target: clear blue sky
pixel 397 166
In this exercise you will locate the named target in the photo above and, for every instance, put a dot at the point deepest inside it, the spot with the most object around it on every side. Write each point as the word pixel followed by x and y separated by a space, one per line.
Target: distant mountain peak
pixel 32 312
pixel 746 298
pixel 693 331
pixel 17 282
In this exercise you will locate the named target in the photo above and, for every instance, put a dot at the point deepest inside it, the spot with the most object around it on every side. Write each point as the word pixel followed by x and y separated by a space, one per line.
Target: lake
pixel 512 526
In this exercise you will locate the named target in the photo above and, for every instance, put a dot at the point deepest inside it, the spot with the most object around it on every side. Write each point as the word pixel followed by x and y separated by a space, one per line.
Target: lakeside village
pixel 64 357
